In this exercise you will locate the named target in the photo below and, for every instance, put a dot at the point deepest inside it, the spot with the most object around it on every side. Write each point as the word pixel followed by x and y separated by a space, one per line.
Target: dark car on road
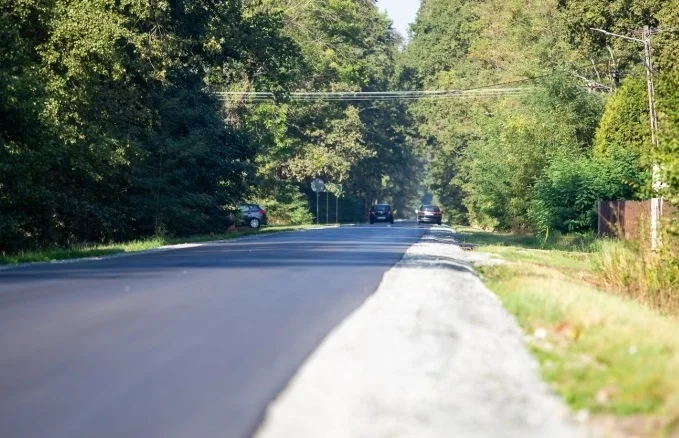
pixel 431 214
pixel 381 213
pixel 253 215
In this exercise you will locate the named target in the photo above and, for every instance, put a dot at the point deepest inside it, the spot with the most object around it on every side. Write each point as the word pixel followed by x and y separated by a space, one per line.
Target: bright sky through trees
pixel 402 12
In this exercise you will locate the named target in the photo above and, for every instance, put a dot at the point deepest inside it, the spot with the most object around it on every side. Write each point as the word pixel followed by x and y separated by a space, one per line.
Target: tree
pixel 348 45
pixel 115 132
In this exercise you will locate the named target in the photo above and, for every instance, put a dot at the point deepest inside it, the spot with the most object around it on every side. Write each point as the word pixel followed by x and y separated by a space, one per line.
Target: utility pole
pixel 327 208
pixel 656 202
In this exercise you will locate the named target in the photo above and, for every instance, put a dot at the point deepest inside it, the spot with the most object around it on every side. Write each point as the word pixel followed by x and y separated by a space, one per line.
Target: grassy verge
pixel 605 354
pixel 134 246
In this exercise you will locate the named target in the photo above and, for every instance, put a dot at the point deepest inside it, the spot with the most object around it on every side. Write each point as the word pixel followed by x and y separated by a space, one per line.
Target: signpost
pixel 338 193
pixel 317 186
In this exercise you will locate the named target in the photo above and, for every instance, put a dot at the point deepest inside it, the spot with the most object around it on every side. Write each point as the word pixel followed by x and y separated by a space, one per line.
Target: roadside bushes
pixel 288 207
pixel 669 142
pixel 565 195
pixel 518 140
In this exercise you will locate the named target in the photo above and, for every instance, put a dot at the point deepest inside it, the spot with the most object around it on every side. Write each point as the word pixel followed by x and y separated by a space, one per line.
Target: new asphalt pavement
pixel 191 342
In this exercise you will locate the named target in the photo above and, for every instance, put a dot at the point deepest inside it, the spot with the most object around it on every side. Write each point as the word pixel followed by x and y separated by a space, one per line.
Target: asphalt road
pixel 183 343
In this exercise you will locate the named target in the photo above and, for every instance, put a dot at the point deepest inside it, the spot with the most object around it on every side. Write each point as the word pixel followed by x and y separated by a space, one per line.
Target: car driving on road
pixel 429 214
pixel 253 215
pixel 381 213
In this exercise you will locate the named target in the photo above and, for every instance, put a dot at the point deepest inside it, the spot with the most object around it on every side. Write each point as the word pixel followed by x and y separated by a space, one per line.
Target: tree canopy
pixel 540 161
pixel 112 128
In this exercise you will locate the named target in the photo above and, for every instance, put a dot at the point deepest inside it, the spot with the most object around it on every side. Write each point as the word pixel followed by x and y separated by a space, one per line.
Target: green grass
pixel 573 252
pixel 567 260
pixel 56 254
pixel 555 242
pixel 602 352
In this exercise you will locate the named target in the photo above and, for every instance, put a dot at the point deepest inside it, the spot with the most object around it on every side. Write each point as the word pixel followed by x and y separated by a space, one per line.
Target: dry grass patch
pixel 637 272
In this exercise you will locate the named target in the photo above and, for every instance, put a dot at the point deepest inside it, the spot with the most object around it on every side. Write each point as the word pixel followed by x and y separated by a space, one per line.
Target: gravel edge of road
pixel 161 248
pixel 432 353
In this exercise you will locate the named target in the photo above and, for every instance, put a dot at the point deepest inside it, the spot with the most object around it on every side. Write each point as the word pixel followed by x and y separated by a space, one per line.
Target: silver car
pixel 253 215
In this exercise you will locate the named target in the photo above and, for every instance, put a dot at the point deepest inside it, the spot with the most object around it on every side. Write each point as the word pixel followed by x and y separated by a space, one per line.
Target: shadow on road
pixel 362 246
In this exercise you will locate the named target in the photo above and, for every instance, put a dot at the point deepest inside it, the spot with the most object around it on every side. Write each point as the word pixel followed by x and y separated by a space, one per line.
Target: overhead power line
pixel 374 95
pixel 490 90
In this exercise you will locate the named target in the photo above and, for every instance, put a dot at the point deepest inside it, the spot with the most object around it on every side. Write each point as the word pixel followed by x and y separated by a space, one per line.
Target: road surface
pixel 188 342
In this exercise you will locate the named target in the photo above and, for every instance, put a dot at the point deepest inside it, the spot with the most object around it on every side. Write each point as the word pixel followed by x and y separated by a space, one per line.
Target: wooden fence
pixel 627 219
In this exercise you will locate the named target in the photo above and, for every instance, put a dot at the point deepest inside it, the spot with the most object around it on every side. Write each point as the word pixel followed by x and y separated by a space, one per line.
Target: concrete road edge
pixel 431 354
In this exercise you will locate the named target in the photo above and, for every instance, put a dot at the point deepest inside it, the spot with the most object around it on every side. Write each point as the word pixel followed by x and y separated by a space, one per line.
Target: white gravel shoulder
pixel 431 354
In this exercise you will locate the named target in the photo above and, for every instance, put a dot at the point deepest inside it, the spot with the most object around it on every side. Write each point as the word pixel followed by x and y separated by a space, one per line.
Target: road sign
pixel 339 189
pixel 317 185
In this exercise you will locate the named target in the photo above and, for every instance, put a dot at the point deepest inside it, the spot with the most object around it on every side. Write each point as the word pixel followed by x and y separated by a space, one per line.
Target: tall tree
pixel 118 134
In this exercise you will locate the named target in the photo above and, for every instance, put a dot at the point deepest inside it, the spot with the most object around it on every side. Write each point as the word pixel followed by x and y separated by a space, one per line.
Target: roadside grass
pixel 56 254
pixel 571 252
pixel 557 242
pixel 604 353
pixel 634 270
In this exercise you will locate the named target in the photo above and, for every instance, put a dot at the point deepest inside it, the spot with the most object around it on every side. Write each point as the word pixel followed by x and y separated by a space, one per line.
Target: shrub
pixel 565 196
pixel 668 155
pixel 288 207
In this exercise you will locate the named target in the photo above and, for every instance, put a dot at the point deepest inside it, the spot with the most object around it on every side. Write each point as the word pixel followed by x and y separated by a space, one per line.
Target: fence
pixel 627 219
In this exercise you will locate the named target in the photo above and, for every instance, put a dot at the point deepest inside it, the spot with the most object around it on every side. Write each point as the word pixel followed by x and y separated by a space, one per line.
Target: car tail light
pixel 261 211
pixel 372 213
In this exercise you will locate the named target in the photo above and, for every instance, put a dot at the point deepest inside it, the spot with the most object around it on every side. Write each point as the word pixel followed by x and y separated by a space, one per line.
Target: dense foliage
pixel 540 161
pixel 668 156
pixel 365 146
pixel 111 130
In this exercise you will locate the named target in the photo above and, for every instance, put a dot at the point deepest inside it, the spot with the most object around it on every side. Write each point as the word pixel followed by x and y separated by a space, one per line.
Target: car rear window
pixel 382 208
pixel 431 208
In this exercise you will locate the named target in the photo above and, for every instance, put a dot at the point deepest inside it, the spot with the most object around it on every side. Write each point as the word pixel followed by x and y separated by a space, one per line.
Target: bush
pixel 288 207
pixel 565 196
pixel 668 106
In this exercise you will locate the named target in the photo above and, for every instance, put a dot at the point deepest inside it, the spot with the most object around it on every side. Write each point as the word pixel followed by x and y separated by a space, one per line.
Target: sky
pixel 403 12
